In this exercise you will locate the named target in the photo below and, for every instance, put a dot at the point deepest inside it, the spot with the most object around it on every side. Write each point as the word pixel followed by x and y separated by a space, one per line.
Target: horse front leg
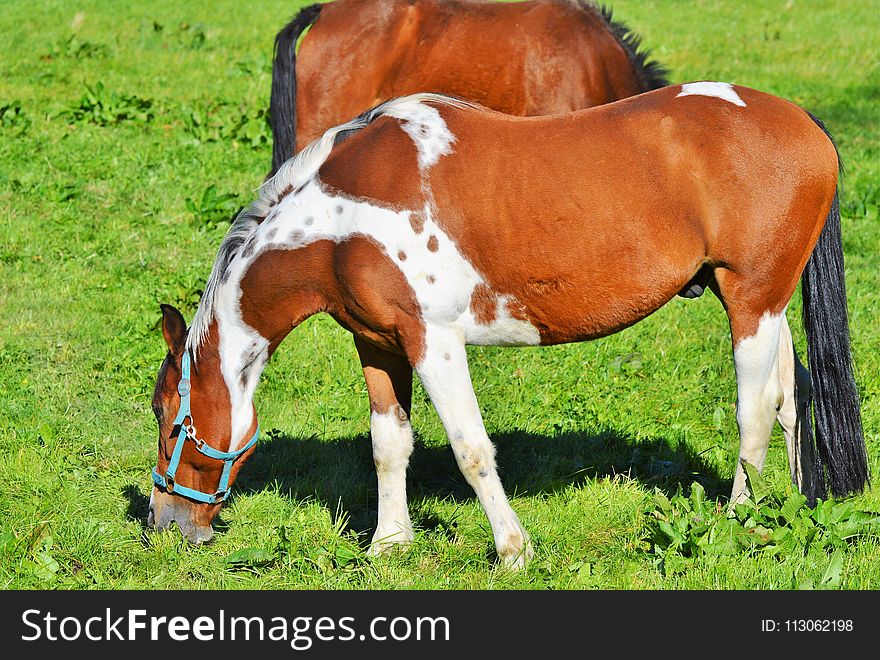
pixel 389 385
pixel 444 374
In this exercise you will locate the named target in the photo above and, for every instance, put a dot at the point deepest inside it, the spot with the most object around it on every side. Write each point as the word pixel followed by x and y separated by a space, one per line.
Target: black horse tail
pixel 282 105
pixel 839 437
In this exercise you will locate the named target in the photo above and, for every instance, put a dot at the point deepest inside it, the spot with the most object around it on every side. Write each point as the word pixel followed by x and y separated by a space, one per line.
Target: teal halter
pixel 188 432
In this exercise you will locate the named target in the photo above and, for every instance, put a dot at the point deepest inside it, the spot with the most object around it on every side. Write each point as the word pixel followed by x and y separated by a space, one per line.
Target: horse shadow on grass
pixel 339 473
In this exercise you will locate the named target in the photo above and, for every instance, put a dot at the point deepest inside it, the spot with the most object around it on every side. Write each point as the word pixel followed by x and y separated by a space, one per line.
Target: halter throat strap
pixel 188 432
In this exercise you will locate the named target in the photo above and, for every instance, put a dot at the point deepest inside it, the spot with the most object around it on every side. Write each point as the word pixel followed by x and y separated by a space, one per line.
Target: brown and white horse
pixel 428 223
pixel 525 58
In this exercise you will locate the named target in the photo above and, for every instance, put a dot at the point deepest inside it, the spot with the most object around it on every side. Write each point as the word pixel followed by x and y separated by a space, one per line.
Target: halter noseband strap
pixel 188 432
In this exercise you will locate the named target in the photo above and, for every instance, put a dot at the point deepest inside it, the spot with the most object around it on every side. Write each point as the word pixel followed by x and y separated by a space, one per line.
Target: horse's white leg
pixel 392 438
pixel 759 395
pixel 794 415
pixel 444 374
pixel 389 384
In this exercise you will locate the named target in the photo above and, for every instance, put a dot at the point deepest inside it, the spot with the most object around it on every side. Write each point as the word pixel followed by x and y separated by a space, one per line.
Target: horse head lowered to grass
pixel 429 223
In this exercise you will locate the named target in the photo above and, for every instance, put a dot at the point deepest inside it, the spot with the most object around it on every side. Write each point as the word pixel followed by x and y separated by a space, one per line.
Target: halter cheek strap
pixel 188 432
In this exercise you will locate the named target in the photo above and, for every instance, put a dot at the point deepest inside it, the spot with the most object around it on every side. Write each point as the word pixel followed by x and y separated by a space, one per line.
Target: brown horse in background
pixel 539 57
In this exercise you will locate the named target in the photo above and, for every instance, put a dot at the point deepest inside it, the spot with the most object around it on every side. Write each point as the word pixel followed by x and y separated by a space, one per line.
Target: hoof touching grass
pixel 128 137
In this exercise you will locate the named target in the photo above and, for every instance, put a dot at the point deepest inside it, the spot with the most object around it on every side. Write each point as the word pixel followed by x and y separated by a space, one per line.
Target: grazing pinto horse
pixel 527 58
pixel 429 223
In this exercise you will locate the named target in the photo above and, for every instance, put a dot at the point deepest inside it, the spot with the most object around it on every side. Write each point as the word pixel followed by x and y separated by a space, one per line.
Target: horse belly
pixel 587 299
pixel 593 314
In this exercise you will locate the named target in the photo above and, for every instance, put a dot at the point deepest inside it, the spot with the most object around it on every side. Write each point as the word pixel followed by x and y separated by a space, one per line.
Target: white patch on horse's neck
pixel 717 89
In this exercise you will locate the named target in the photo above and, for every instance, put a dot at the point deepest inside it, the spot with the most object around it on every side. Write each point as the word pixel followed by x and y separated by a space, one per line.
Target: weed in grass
pixel 831 577
pixel 105 108
pixel 214 208
pixel 62 192
pixel 13 119
pixel 150 28
pixel 252 129
pixel 217 122
pixel 206 124
pixel 254 66
pixel 74 47
pixel 865 205
pixel 34 553
pixel 249 559
pixel 185 36
pixel 769 522
pixel 191 36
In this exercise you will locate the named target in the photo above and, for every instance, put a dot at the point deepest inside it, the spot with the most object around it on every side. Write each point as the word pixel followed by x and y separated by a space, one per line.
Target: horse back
pixel 545 57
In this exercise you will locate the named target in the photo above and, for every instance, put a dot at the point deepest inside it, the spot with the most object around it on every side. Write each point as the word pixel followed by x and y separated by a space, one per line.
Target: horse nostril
pixel 151 518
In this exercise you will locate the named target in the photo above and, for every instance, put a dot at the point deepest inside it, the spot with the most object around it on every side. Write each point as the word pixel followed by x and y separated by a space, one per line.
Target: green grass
pixel 107 210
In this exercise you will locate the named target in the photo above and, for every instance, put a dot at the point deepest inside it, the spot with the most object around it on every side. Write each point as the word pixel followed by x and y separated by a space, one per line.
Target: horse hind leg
pixel 389 385
pixel 756 338
pixel 444 374
pixel 794 418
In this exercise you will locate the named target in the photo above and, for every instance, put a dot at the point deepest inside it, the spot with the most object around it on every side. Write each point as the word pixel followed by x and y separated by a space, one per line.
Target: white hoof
pixel 515 550
pixel 386 541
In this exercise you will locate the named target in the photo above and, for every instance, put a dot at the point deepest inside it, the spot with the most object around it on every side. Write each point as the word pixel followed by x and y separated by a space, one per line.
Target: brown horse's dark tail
pixel 282 105
pixel 843 464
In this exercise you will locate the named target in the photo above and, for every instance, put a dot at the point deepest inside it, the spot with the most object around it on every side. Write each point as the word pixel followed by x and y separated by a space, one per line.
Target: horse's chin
pixel 194 534
pixel 165 510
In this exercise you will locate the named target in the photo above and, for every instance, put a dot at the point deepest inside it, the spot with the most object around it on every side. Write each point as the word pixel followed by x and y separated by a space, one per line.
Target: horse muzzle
pixel 166 509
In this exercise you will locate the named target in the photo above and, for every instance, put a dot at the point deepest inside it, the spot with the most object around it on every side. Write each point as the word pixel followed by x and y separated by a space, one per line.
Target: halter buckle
pixel 183 387
pixel 191 435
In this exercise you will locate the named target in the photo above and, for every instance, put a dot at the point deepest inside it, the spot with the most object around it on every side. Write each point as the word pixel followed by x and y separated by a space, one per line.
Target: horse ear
pixel 173 329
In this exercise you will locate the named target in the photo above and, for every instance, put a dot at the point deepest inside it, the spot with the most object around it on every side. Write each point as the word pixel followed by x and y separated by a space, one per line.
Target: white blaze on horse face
pixel 717 89
pixel 441 277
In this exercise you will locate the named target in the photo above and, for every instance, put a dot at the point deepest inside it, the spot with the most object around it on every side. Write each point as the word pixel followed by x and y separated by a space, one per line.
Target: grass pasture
pixel 130 133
